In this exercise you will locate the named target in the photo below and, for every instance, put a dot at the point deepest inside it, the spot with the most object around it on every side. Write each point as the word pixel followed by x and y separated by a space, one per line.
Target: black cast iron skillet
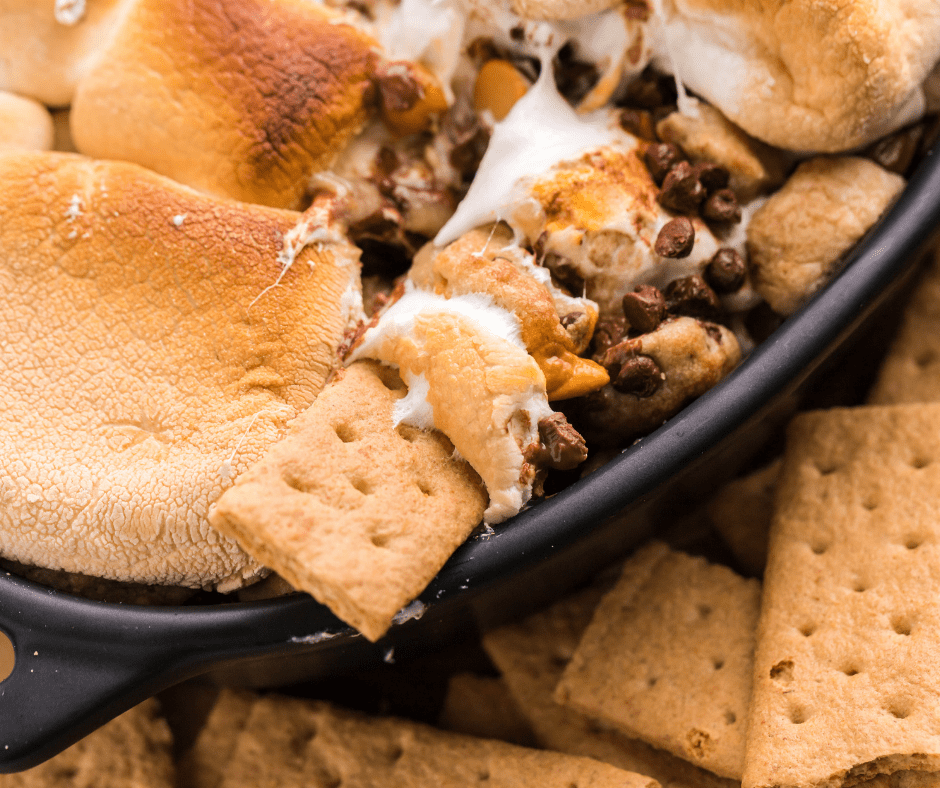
pixel 79 663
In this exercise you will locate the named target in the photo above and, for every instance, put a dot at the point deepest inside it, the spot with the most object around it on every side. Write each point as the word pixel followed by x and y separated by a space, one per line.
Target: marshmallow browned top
pixel 147 361
pixel 242 99
pixel 43 58
pixel 815 75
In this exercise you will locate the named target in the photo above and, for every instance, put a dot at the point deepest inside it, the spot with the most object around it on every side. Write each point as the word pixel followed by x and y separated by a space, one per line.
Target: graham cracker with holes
pixel 911 370
pixel 846 671
pixel 483 706
pixel 741 512
pixel 203 764
pixel 532 654
pixel 131 751
pixel 669 661
pixel 290 742
pixel 357 512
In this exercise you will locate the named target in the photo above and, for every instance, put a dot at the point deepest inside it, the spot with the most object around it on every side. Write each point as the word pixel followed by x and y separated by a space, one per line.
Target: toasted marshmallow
pixel 486 261
pixel 48 45
pixel 575 186
pixel 540 131
pixel 243 100
pixel 470 377
pixel 808 75
pixel 154 345
pixel 24 124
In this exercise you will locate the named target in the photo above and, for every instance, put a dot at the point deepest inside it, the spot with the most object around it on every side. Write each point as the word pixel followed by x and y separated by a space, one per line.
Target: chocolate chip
pixel 676 238
pixel 692 297
pixel 398 87
pixel 574 78
pixel 565 272
pixel 640 376
pixel 570 319
pixel 636 9
pixel 660 159
pixel 897 151
pixel 468 150
pixel 725 272
pixel 644 308
pixel 386 162
pixel 609 331
pixel 712 176
pixel 639 123
pixel 561 445
pixel 722 207
pixel 650 90
pixel 682 191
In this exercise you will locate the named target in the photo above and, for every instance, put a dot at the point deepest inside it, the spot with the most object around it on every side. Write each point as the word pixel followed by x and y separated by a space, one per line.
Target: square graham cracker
pixel 741 512
pixel 532 655
pixel 910 372
pixel 289 742
pixel 352 509
pixel 132 751
pixel 669 661
pixel 483 706
pixel 847 665
pixel 203 765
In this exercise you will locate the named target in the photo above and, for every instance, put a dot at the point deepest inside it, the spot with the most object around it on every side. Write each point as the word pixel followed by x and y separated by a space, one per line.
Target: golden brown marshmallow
pixel 811 75
pixel 244 99
pixel 24 124
pixel 149 359
pixel 796 239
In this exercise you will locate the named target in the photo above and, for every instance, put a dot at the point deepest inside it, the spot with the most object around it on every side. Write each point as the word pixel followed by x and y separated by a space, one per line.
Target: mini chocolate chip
pixel 637 9
pixel 640 376
pixel 676 238
pixel 398 87
pixel 725 272
pixel 650 90
pixel 574 78
pixel 692 297
pixel 660 159
pixel 468 151
pixel 722 207
pixel 609 332
pixel 644 308
pixel 386 162
pixel 682 191
pixel 565 272
pixel 564 448
pixel 639 123
pixel 517 33
pixel 712 176
pixel 570 319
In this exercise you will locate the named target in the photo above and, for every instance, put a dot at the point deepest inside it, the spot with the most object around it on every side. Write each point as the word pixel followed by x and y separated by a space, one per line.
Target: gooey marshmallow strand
pixel 540 132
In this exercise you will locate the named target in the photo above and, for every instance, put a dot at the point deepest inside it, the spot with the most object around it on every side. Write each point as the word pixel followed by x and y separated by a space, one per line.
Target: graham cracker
pixel 532 655
pixel 846 672
pixel 203 764
pixel 911 370
pixel 741 512
pixel 669 661
pixel 132 751
pixel 357 512
pixel 483 706
pixel 290 742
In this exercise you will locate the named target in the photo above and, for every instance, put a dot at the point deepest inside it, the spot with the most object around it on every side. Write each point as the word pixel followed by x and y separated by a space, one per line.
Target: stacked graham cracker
pixel 826 673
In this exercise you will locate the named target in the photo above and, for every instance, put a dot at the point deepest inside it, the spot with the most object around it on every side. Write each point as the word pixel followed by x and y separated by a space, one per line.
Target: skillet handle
pixel 80 663
pixel 65 684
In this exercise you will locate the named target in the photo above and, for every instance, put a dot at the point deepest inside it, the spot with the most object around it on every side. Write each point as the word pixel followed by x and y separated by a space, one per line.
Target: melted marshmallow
pixel 541 131
pixel 399 319
pixel 429 32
